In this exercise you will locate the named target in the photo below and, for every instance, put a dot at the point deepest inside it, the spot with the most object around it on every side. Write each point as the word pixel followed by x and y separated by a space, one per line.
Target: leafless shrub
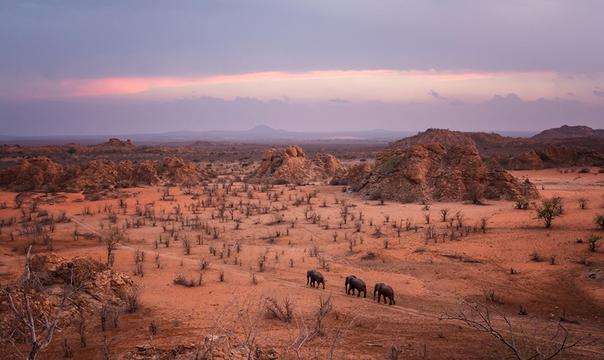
pixel 109 315
pixel 535 256
pixel 283 312
pixel 599 220
pixel 133 298
pixel 552 260
pixel 492 297
pixel 153 328
pixel 324 309
pixel 444 213
pixel 186 244
pixel 483 224
pixel 112 239
pixel 483 318
pixel 67 352
pixel 395 352
pixel 180 279
pixel 592 242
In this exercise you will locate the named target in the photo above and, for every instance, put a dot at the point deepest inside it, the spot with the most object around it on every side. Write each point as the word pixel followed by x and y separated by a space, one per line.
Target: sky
pixel 111 67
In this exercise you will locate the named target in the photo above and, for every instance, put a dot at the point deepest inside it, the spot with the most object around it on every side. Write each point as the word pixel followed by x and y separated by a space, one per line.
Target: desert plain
pixel 220 271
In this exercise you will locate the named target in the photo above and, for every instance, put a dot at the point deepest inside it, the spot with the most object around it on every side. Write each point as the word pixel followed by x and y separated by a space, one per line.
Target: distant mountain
pixel 569 132
pixel 264 129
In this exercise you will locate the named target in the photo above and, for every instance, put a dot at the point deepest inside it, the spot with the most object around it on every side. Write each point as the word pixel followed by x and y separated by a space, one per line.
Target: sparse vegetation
pixel 549 210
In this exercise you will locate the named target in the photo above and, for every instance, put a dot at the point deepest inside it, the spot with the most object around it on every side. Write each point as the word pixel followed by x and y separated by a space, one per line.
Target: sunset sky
pixel 110 67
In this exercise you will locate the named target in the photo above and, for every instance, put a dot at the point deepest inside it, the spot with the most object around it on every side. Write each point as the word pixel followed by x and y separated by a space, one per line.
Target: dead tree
pixel 30 323
pixel 111 241
pixel 483 318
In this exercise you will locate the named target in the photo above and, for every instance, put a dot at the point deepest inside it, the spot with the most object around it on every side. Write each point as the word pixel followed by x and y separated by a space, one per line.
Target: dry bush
pixel 592 242
pixel 186 244
pixel 133 298
pixel 183 281
pixel 111 240
pixel 520 346
pixel 109 315
pixel 535 256
pixel 599 220
pixel 283 312
pixel 324 309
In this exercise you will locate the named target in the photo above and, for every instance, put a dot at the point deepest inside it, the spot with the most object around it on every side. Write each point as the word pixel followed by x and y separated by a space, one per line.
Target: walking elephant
pixel 314 277
pixel 384 290
pixel 354 283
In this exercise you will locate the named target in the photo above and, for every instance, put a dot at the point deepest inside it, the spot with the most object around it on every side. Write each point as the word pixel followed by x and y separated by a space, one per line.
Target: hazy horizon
pixel 71 68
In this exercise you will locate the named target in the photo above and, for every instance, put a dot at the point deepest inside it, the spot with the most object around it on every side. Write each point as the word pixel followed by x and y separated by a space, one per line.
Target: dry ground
pixel 430 277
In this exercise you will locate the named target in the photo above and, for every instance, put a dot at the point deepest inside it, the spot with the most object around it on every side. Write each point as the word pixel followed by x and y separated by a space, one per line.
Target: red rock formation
pixel 290 165
pixel 38 173
pixel 411 171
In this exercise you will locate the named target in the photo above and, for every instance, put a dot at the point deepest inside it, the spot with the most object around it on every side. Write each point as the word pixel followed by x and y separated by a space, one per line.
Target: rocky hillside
pixel 291 165
pixel 569 132
pixel 436 165
pixel 42 174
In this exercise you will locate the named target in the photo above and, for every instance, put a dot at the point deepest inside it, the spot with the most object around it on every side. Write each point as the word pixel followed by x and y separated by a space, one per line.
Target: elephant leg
pixel 323 285
pixel 359 293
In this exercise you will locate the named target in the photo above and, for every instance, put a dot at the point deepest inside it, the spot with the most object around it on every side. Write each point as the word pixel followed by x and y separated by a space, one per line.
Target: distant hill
pixel 569 132
pixel 264 129
pixel 563 147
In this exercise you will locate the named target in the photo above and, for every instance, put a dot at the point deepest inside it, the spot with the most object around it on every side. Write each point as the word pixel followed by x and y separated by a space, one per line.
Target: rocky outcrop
pixel 97 283
pixel 528 160
pixel 569 132
pixel 43 174
pixel 355 176
pixel 37 173
pixel 412 171
pixel 89 284
pixel 290 165
pixel 178 171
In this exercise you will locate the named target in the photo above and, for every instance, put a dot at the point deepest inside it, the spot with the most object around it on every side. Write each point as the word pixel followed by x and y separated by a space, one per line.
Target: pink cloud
pixel 380 84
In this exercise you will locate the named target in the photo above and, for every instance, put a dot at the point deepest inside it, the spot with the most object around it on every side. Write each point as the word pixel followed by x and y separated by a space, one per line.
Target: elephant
pixel 357 284
pixel 313 276
pixel 347 282
pixel 384 290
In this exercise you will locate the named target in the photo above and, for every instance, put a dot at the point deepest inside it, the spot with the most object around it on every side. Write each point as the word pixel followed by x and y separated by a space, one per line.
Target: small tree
pixel 444 213
pixel 550 209
pixel 599 220
pixel 592 241
pixel 583 203
pixel 111 241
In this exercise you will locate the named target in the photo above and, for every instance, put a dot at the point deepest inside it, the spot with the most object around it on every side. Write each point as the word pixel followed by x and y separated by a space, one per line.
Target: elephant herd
pixel 353 283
